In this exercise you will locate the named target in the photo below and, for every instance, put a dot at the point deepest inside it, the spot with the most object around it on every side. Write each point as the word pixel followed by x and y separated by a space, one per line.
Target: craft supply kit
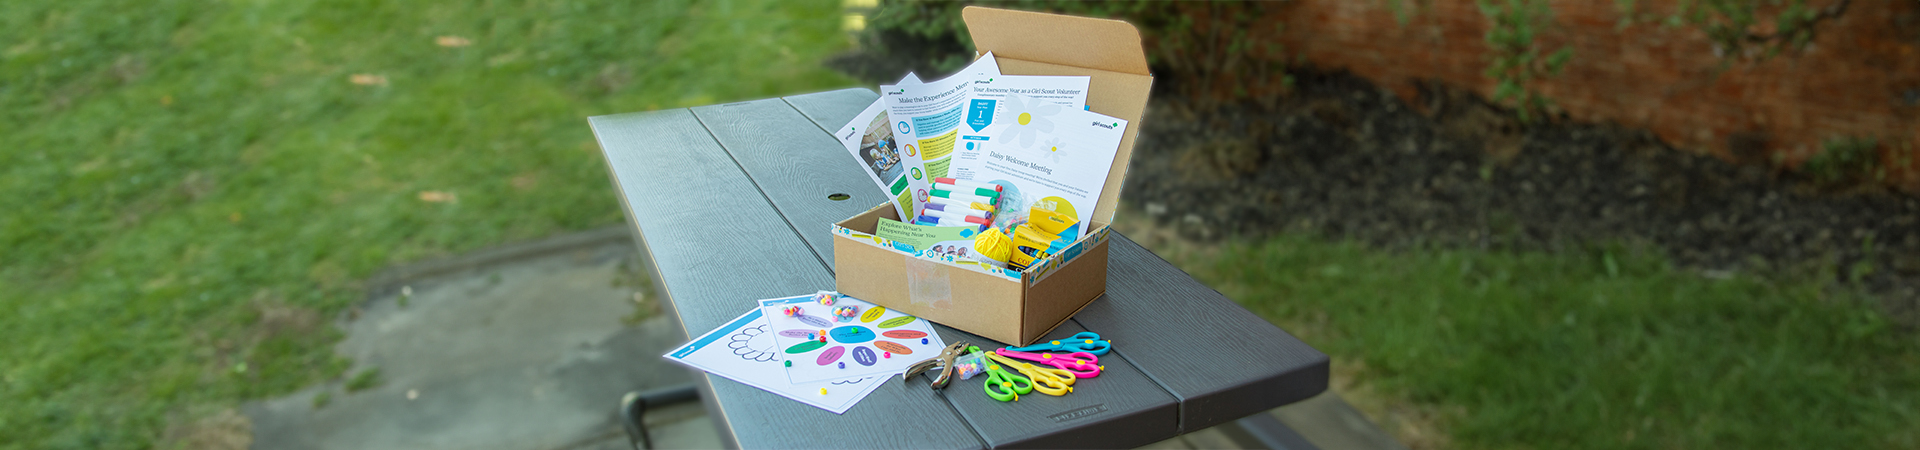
pixel 1010 172
pixel 1001 181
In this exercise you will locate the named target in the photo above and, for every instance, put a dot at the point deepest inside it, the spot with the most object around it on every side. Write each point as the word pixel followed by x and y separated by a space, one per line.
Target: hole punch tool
pixel 943 362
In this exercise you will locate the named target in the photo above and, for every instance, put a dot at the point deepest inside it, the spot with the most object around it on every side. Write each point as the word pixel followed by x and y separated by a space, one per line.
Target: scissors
pixel 943 361
pixel 1005 386
pixel 1085 341
pixel 1081 364
pixel 1054 382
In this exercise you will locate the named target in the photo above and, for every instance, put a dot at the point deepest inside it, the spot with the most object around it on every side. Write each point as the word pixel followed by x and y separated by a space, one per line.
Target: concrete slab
pixel 521 348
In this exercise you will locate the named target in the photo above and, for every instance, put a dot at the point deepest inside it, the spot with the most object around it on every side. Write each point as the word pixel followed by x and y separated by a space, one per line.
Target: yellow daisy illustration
pixel 1030 119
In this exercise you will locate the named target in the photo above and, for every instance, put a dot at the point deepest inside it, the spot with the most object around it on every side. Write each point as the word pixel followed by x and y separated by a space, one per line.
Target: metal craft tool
pixel 943 362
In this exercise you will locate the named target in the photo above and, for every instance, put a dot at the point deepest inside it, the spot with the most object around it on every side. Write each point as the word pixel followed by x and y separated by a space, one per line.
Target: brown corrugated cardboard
pixel 1011 307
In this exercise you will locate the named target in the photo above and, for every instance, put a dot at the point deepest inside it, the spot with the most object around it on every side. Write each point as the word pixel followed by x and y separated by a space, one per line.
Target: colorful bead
pixel 791 311
pixel 843 364
pixel 886 355
pixel 789 363
pixel 923 341
pixel 825 297
pixel 846 313
pixel 823 391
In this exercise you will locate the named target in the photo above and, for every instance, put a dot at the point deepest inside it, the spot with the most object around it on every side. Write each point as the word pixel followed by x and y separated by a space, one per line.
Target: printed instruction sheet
pixel 1043 154
pixel 871 140
pixel 927 116
pixel 743 350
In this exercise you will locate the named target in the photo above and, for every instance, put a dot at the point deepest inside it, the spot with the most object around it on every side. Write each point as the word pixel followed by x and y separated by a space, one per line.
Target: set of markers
pixel 959 203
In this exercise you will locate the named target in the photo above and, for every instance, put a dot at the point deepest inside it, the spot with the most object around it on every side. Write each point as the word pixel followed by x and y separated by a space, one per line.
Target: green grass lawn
pixel 194 189
pixel 1598 348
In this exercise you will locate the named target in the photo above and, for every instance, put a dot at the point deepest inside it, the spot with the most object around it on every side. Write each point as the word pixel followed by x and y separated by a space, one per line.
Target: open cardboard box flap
pixel 1106 50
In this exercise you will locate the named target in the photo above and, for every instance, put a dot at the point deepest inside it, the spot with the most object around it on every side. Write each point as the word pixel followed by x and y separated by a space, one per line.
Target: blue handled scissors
pixel 1085 341
pixel 1006 386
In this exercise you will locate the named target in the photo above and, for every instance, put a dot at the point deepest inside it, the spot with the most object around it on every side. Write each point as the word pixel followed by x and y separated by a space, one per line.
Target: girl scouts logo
pixel 904 129
pixel 916 173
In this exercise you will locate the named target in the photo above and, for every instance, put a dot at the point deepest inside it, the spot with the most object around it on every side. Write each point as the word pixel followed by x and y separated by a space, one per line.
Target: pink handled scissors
pixel 1081 364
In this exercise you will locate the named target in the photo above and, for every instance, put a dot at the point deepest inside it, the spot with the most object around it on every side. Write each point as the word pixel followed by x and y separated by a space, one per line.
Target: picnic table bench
pixel 732 203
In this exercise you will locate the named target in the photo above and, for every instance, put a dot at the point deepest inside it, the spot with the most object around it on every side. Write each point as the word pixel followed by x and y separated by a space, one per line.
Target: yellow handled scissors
pixel 1050 381
pixel 1006 386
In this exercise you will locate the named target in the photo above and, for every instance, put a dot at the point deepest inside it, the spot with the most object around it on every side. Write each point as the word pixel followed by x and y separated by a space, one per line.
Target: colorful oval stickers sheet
pixel 826 350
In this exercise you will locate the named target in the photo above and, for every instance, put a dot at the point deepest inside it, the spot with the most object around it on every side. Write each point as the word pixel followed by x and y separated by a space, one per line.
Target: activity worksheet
pixel 870 139
pixel 927 116
pixel 743 350
pixel 1042 154
pixel 875 341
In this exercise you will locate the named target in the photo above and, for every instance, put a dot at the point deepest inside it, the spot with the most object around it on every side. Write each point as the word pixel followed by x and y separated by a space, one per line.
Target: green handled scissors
pixel 1048 380
pixel 1006 386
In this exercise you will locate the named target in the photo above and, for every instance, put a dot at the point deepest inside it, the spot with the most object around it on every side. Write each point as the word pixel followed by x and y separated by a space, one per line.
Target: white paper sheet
pixel 877 342
pixel 927 117
pixel 1043 154
pixel 869 137
pixel 743 350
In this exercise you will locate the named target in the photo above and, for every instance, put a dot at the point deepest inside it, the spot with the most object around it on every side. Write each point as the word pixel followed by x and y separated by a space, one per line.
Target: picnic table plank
pixel 1121 408
pixel 714 258
pixel 831 109
pixel 795 164
pixel 1160 318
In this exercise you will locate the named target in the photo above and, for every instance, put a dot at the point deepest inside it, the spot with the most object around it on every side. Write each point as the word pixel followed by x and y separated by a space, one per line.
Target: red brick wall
pixel 1857 79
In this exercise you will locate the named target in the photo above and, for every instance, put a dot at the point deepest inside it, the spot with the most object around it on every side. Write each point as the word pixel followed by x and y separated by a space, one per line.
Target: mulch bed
pixel 1344 158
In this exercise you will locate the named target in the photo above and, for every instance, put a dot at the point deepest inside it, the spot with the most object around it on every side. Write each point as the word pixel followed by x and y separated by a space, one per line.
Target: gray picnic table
pixel 732 203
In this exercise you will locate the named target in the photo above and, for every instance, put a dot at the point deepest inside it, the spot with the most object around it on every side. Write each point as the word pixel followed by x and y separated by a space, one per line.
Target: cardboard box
pixel 1007 306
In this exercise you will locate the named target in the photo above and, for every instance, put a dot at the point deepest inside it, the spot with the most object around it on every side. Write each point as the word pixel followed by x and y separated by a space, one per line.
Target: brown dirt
pixel 1344 158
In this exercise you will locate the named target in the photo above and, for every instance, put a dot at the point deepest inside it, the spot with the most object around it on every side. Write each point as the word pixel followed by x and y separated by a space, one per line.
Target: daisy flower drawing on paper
pixel 752 344
pixel 1051 148
pixel 1030 119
